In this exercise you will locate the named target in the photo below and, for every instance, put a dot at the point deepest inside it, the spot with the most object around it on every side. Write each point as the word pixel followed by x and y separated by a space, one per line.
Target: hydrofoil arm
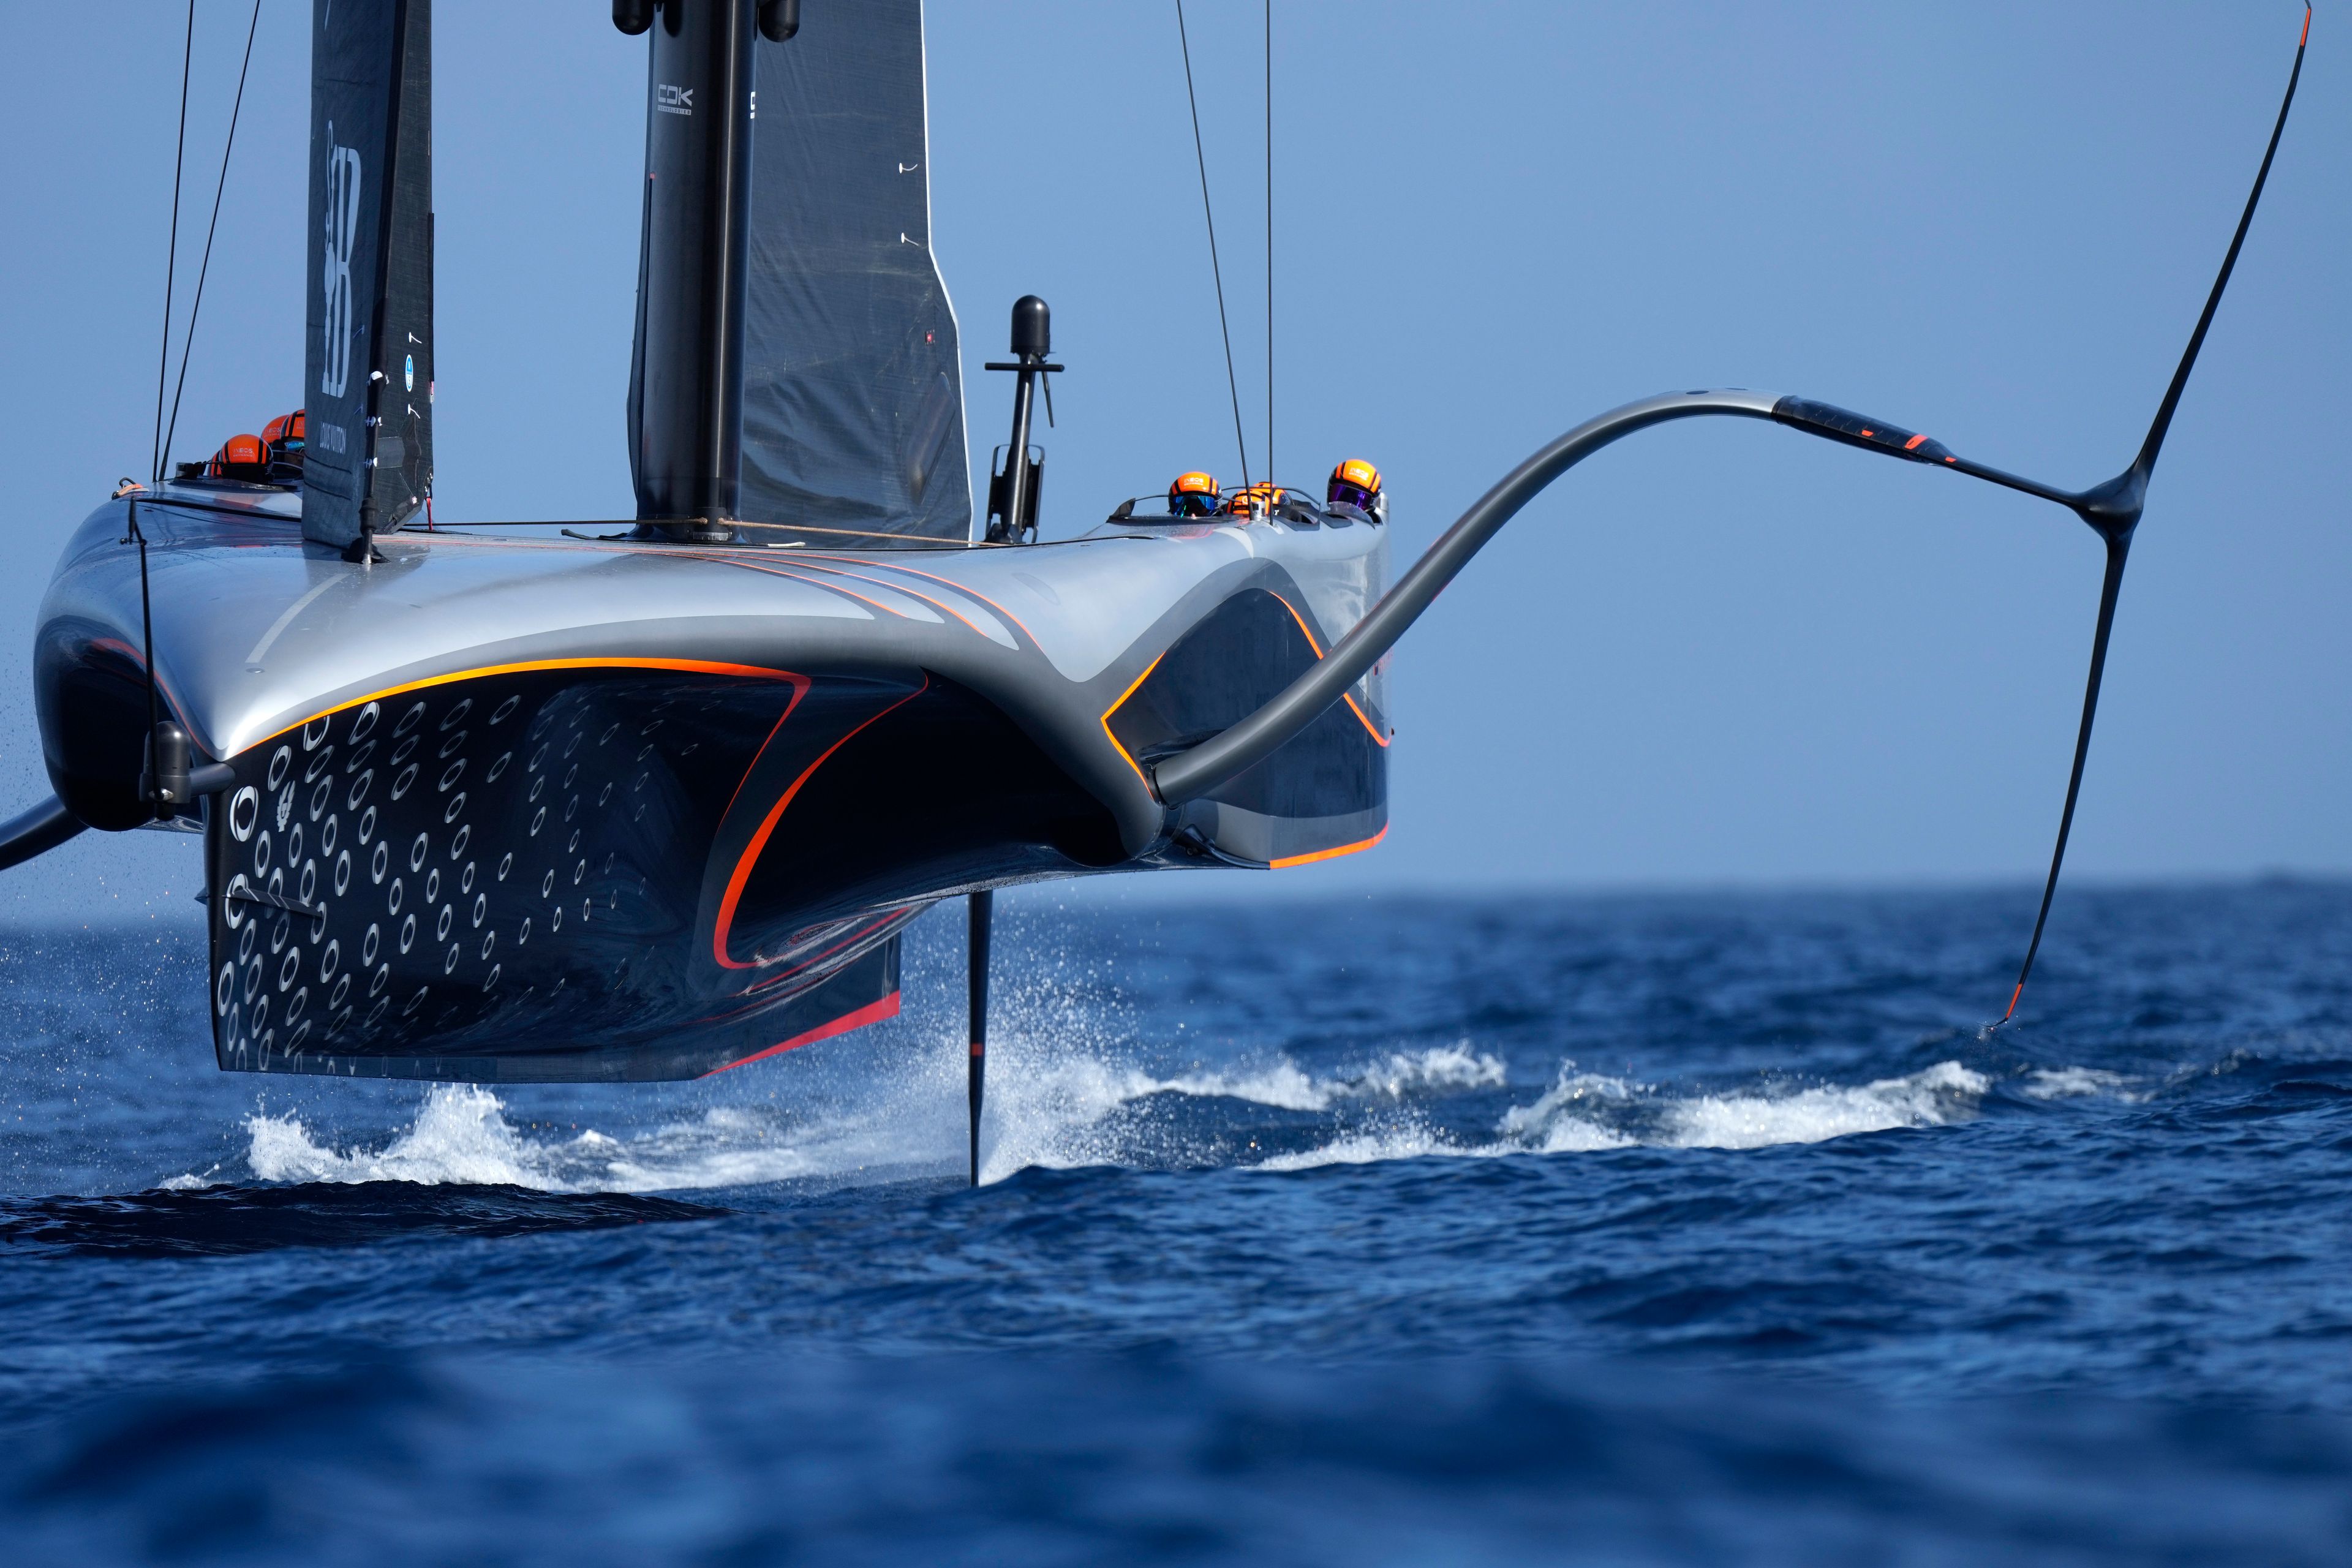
pixel 36 832
pixel 1190 775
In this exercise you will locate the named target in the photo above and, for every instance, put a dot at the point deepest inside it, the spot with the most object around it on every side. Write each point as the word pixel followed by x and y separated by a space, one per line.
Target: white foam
pixel 1069 1105
pixel 2077 1083
pixel 1587 1112
pixel 1415 1141
pixel 461 1136
pixel 458 1136
pixel 1941 1094
pixel 1369 1148
pixel 1570 1116
pixel 1065 1109
pixel 1285 1086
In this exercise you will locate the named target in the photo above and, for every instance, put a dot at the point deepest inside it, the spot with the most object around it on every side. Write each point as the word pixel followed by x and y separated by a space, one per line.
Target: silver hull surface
pixel 520 808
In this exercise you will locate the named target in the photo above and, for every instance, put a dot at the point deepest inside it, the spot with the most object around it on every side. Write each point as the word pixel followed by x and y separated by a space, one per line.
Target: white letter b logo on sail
pixel 343 227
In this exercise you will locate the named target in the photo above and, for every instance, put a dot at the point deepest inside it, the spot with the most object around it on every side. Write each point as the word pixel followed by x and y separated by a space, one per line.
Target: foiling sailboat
pixel 656 798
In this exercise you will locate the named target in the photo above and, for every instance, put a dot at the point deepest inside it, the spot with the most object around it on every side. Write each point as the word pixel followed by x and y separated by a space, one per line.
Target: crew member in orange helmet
pixel 239 457
pixel 281 441
pixel 1253 500
pixel 1192 495
pixel 1356 483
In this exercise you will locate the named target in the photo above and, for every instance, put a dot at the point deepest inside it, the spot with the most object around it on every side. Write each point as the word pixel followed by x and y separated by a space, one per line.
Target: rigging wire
pixel 1233 383
pixel 196 304
pixel 172 252
pixel 134 534
pixel 146 634
pixel 1269 241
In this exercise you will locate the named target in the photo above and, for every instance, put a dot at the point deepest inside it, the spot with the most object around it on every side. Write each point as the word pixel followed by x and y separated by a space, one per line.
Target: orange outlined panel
pixel 742 872
pixel 1115 707
pixel 1348 697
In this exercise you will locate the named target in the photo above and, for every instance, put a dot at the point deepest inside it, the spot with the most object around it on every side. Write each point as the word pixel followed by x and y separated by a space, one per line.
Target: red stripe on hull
pixel 872 1012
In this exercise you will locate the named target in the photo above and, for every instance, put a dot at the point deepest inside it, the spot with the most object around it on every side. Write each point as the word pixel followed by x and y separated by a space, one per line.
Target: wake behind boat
pixel 654 798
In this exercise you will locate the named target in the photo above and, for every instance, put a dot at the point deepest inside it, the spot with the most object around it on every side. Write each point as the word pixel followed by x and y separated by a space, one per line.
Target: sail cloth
pixel 853 398
pixel 368 376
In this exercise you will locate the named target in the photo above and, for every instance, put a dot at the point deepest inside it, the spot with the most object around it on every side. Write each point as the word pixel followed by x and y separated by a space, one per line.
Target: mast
pixel 685 402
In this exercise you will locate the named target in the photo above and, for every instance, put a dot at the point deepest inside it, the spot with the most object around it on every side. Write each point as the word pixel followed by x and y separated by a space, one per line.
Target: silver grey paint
pixel 255 631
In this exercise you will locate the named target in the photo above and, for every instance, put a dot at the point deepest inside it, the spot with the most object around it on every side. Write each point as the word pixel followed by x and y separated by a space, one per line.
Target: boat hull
pixel 511 810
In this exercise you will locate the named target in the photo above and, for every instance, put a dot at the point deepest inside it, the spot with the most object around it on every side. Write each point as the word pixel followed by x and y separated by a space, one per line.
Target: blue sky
pixel 1718 653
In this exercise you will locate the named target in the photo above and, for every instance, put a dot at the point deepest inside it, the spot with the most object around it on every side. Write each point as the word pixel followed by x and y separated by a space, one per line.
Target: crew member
pixel 1192 495
pixel 1253 500
pixel 281 445
pixel 239 457
pixel 1356 483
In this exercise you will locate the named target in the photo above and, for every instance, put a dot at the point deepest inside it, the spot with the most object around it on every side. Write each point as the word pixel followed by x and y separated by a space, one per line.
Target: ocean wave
pixel 1285 1086
pixel 1077 1108
pixel 2077 1083
pixel 1587 1112
pixel 1941 1094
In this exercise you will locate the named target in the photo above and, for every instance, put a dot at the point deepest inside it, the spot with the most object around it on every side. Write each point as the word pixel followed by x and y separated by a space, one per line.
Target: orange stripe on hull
pixel 1289 860
pixel 690 666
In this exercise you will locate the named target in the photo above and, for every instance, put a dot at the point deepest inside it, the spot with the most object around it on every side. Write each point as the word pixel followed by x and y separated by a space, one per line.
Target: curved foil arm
pixel 1190 775
pixel 36 832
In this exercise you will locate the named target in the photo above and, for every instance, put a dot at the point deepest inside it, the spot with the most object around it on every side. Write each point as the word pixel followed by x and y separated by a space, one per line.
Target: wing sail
pixel 853 396
pixel 368 372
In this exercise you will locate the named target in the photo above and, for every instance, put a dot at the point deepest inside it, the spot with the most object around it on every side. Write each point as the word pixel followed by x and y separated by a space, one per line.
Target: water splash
pixel 1078 1106
pixel 1942 1094
pixel 1586 1113
pixel 461 1136
pixel 1071 1108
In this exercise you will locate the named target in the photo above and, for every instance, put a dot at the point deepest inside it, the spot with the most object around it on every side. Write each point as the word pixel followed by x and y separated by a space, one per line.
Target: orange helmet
pixel 1192 495
pixel 1253 500
pixel 237 451
pixel 281 440
pixel 1355 483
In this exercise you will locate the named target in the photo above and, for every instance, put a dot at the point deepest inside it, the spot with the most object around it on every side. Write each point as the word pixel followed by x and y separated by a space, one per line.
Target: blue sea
pixel 1708 1228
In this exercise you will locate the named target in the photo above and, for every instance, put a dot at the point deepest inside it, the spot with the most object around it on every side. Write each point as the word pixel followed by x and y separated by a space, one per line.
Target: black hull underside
pixel 639 869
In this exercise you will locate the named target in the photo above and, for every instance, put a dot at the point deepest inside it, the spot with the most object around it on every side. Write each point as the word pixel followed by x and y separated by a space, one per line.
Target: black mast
pixel 686 393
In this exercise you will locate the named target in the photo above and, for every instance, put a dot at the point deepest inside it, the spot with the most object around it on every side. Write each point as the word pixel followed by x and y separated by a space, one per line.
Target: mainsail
pixel 853 398
pixel 368 376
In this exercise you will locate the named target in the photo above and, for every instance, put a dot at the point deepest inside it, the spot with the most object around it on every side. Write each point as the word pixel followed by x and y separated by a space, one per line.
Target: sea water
pixel 1709 1229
